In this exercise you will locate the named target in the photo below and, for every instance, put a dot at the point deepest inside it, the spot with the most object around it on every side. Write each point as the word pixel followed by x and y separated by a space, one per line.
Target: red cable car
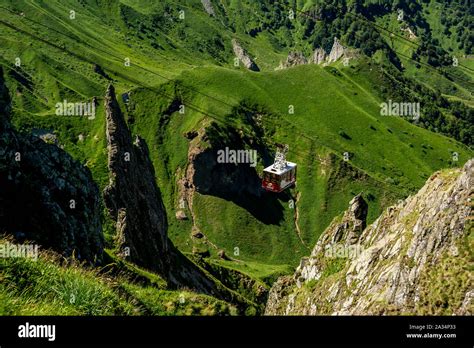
pixel 281 174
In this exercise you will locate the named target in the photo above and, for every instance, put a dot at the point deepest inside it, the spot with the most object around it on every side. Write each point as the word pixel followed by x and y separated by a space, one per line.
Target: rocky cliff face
pixel 414 259
pixel 319 56
pixel 5 105
pixel 337 51
pixel 243 56
pixel 45 195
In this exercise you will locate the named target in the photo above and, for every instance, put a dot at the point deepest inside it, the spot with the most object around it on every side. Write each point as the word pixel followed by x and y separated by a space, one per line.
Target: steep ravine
pixel 416 258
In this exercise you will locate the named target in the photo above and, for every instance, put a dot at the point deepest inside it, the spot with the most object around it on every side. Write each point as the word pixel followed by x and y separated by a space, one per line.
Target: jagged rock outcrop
pixel 398 265
pixel 134 203
pixel 346 232
pixel 319 56
pixel 207 4
pixel 45 195
pixel 132 197
pixel 293 59
pixel 354 221
pixel 337 51
pixel 243 56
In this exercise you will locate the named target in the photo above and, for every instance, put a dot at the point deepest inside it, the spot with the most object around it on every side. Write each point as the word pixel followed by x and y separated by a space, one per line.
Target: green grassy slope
pixel 396 156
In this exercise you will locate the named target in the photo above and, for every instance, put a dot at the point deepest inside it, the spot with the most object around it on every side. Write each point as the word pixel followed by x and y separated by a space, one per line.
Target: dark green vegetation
pixel 186 58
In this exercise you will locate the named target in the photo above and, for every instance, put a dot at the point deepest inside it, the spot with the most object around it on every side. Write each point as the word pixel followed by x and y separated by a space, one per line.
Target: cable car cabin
pixel 276 179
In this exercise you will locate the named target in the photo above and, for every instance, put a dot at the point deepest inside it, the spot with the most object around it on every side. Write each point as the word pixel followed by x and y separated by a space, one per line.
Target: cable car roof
pixel 271 169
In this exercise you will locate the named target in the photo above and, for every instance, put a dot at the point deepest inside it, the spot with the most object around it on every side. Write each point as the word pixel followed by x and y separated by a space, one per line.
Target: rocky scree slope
pixel 416 258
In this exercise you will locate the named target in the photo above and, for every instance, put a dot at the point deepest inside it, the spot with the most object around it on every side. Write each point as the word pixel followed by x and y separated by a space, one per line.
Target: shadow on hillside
pixel 267 208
